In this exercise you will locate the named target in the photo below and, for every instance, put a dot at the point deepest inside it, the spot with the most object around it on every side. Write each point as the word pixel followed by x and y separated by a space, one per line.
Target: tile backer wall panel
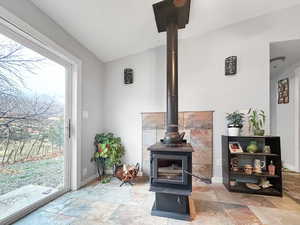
pixel 198 127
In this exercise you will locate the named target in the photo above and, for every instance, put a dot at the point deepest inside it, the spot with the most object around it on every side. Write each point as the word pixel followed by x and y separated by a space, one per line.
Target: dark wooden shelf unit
pixel 240 177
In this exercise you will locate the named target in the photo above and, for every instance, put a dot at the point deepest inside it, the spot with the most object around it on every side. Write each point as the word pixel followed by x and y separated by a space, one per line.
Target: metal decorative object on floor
pixel 127 174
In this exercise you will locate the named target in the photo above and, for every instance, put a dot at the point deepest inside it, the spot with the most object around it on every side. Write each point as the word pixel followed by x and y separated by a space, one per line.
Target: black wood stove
pixel 170 180
pixel 171 159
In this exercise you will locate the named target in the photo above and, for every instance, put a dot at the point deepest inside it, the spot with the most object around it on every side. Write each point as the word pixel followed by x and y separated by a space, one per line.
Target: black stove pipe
pixel 170 16
pixel 172 136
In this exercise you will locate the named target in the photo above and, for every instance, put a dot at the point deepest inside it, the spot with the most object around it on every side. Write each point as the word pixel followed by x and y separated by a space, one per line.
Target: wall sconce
pixel 128 76
pixel 230 65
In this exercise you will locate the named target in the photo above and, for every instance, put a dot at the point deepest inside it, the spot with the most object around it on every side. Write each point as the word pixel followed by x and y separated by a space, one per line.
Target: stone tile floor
pixel 18 199
pixel 291 181
pixel 210 205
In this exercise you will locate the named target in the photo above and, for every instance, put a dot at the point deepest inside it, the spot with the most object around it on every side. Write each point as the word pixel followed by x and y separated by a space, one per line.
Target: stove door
pixel 169 169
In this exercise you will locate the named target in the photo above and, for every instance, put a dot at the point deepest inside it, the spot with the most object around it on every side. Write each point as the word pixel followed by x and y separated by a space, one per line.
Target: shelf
pixel 264 174
pixel 247 158
pixel 242 188
pixel 233 137
pixel 255 154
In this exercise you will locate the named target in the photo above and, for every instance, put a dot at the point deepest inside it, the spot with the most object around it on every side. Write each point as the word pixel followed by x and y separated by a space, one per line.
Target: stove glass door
pixel 169 168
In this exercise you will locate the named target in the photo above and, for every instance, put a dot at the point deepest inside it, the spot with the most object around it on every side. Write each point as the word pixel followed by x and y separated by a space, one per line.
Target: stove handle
pixel 202 179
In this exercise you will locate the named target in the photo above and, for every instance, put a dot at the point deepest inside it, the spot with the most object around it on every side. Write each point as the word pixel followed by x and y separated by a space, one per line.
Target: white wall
pixel 92 72
pixel 284 118
pixel 202 84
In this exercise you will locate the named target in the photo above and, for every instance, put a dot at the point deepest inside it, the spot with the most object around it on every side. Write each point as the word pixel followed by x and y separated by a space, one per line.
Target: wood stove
pixel 171 159
pixel 170 179
pixel 169 166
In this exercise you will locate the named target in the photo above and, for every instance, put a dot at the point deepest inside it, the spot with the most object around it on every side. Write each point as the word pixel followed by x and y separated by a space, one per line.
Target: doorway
pixel 35 125
pixel 285 108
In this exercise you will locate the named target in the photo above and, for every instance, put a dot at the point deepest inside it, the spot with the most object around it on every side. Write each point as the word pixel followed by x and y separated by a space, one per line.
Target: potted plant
pixel 235 123
pixel 109 151
pixel 257 119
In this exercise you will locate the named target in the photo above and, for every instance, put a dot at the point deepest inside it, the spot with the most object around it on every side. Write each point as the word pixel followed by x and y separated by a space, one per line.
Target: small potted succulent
pixel 235 123
pixel 109 151
pixel 257 119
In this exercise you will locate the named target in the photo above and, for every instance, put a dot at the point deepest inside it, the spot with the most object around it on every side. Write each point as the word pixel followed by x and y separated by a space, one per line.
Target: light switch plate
pixel 85 114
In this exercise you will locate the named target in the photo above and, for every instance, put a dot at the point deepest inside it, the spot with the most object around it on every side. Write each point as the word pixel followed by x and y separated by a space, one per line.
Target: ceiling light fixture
pixel 280 58
pixel 276 61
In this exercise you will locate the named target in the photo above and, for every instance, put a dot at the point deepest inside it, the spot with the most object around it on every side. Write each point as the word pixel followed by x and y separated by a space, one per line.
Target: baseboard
pixel 88 180
pixel 217 180
pixel 290 167
pixel 95 176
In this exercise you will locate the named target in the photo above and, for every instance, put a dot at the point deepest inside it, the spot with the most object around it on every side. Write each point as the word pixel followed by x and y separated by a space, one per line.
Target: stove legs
pixel 171 206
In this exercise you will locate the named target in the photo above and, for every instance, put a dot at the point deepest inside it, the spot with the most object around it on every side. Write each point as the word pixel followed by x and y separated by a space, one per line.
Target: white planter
pixel 233 131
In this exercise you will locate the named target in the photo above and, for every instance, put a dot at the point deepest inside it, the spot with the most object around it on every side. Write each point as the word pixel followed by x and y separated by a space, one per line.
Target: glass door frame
pixel 72 111
pixel 182 158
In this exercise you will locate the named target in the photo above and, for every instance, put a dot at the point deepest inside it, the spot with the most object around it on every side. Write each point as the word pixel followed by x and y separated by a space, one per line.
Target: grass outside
pixel 46 172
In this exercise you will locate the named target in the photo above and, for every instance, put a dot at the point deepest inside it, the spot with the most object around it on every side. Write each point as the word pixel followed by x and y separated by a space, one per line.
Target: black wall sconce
pixel 128 76
pixel 231 65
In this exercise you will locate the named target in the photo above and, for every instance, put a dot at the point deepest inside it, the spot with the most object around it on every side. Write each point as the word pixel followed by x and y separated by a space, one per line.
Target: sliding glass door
pixel 34 127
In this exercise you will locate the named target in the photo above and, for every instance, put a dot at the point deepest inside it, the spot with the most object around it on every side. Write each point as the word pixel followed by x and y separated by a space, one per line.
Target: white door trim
pixel 18 26
pixel 297 121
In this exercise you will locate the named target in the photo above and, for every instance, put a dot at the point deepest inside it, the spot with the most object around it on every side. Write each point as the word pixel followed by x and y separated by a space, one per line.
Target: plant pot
pixel 259 132
pixel 234 131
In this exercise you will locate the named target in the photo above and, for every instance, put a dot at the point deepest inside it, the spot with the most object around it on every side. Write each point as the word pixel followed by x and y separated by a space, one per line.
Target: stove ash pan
pixel 168 169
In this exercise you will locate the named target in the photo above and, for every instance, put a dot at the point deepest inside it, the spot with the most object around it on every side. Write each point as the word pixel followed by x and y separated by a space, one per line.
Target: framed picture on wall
pixel 231 65
pixel 283 91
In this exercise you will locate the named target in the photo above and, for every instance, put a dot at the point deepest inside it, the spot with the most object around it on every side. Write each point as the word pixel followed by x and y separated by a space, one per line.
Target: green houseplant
pixel 257 119
pixel 109 151
pixel 235 123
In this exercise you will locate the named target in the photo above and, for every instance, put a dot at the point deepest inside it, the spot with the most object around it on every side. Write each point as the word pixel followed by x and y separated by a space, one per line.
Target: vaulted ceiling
pixel 112 29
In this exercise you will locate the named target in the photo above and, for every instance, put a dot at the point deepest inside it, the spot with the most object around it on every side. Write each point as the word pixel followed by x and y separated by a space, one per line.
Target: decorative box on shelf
pixel 252 164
